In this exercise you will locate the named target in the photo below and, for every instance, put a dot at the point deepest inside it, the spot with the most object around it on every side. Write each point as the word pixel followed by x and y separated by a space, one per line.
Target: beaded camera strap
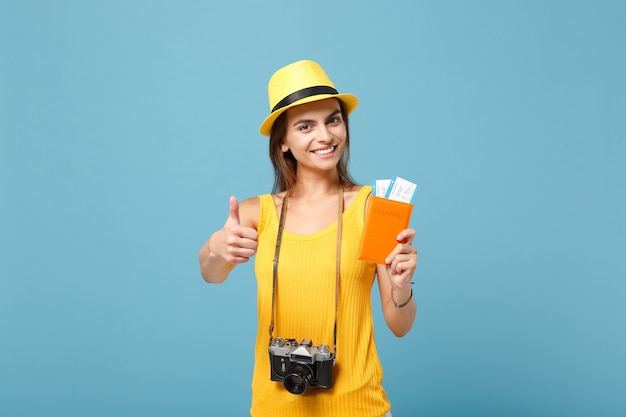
pixel 281 222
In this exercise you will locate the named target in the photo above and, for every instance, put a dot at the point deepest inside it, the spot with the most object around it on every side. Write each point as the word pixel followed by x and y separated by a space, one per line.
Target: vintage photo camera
pixel 300 365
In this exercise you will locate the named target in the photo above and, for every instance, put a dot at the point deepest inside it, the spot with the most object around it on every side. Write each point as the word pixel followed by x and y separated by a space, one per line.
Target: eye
pixel 334 120
pixel 304 127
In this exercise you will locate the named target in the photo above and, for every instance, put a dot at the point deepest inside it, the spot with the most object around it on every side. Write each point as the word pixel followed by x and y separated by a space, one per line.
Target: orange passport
pixel 384 219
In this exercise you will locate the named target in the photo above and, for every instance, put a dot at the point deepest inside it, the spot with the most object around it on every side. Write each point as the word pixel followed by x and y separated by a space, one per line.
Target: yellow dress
pixel 305 308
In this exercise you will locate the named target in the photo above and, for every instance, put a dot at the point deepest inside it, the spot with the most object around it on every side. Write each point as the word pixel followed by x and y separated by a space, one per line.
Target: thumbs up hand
pixel 235 243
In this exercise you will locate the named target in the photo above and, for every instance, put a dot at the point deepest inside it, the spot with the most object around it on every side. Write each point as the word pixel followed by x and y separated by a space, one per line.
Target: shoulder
pixel 353 191
pixel 249 211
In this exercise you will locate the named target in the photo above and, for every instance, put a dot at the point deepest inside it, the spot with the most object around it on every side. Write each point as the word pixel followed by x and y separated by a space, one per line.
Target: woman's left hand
pixel 402 261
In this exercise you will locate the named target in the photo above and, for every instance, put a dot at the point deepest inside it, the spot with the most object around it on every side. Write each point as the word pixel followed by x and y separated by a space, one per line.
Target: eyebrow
pixel 297 122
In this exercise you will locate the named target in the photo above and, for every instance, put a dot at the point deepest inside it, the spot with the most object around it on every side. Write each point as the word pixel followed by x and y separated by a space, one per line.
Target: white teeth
pixel 324 151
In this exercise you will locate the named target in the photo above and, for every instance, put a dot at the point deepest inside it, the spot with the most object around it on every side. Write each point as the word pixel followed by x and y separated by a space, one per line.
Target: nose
pixel 324 134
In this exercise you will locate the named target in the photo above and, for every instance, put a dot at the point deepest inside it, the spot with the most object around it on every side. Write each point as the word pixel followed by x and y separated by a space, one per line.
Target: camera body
pixel 300 365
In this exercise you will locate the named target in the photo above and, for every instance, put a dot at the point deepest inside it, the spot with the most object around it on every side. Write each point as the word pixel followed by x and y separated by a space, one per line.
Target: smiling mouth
pixel 325 151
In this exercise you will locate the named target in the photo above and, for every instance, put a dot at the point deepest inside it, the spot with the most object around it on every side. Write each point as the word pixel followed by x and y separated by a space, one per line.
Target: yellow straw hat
pixel 299 83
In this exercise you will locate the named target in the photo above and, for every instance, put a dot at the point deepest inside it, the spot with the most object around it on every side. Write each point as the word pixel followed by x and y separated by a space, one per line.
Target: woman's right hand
pixel 231 245
pixel 234 243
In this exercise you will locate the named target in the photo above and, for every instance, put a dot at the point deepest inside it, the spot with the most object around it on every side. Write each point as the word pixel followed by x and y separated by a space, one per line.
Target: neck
pixel 315 185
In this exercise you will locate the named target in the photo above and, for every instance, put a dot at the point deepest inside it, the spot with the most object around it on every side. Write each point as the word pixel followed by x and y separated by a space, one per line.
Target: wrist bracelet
pixel 403 304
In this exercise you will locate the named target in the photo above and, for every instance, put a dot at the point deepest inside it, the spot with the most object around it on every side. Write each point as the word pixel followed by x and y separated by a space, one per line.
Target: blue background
pixel 125 126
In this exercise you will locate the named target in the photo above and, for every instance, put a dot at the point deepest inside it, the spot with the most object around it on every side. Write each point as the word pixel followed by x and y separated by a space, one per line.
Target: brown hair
pixel 286 166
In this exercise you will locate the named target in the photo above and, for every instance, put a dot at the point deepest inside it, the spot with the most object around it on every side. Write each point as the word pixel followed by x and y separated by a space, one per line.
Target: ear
pixel 284 148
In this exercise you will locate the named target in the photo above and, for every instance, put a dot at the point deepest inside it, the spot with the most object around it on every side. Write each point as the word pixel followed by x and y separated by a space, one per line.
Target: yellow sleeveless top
pixel 305 308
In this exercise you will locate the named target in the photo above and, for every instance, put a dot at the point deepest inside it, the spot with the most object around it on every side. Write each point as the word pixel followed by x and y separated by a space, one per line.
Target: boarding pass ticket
pixel 397 189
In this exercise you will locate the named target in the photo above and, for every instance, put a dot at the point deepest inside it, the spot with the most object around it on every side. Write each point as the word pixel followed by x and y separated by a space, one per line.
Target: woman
pixel 304 233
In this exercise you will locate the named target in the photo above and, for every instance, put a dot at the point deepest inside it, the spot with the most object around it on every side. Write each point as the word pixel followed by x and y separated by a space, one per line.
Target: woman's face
pixel 316 134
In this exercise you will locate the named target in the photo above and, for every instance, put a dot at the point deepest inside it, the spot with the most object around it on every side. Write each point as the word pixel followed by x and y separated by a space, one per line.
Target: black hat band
pixel 305 92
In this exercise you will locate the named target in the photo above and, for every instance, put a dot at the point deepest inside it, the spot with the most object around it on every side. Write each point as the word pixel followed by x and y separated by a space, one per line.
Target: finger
pixel 399 249
pixel 233 259
pixel 239 249
pixel 402 258
pixel 406 236
pixel 241 253
pixel 400 274
pixel 234 210
pixel 404 265
pixel 249 234
pixel 243 237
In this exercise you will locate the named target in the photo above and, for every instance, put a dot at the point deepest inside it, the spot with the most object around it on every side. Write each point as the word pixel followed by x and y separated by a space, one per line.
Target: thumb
pixel 234 209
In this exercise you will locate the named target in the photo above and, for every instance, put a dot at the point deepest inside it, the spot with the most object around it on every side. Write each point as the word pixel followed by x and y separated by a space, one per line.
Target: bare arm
pixel 394 283
pixel 233 244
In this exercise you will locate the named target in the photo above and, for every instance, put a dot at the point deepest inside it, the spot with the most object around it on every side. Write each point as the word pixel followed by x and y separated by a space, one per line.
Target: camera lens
pixel 298 378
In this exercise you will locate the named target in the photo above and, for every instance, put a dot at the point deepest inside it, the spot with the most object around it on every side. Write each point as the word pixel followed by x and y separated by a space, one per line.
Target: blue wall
pixel 125 126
